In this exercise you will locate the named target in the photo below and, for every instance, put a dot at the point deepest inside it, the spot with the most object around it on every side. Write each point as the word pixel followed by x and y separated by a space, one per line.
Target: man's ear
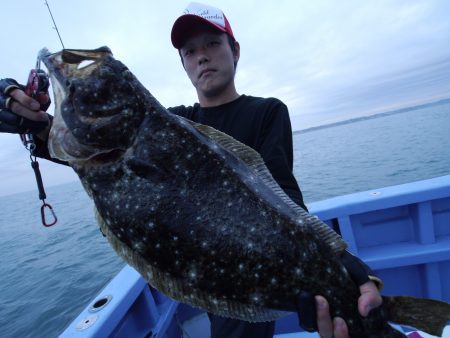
pixel 237 51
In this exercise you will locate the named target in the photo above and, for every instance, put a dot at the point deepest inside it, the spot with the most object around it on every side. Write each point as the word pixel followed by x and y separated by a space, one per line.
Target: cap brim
pixel 186 25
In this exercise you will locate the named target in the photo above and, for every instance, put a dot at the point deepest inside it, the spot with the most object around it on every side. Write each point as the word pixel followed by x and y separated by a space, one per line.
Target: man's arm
pixel 21 114
pixel 276 148
pixel 277 151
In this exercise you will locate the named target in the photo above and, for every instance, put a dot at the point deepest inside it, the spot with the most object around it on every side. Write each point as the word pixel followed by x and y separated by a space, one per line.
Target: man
pixel 209 54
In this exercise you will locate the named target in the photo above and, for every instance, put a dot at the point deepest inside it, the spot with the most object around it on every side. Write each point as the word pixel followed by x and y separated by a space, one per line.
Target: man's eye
pixel 188 52
pixel 213 43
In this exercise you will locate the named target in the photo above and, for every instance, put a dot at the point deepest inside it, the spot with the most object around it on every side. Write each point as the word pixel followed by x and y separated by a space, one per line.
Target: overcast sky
pixel 327 60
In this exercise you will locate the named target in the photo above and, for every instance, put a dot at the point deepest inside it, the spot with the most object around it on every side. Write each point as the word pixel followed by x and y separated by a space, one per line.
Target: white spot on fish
pixel 138 246
pixel 149 275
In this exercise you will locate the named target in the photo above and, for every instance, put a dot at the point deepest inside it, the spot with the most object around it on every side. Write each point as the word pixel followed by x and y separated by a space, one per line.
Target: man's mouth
pixel 206 72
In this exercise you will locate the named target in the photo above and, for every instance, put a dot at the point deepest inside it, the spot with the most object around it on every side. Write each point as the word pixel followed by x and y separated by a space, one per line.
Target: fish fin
pixel 254 160
pixel 427 315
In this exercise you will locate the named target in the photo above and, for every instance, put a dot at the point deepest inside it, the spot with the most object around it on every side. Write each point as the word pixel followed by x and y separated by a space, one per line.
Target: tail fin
pixel 427 315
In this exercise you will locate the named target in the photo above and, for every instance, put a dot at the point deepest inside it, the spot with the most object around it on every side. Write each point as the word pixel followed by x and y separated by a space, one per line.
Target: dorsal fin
pixel 253 160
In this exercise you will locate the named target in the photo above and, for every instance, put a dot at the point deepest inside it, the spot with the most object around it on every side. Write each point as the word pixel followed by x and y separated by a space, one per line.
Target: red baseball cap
pixel 195 15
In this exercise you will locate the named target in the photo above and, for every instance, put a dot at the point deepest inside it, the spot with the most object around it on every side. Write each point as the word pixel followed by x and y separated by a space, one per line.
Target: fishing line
pixel 54 23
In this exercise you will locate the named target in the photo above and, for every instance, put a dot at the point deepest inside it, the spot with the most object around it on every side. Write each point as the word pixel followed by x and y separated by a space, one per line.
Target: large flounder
pixel 196 212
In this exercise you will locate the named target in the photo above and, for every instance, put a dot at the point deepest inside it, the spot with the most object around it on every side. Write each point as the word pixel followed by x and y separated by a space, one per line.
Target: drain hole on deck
pixel 100 303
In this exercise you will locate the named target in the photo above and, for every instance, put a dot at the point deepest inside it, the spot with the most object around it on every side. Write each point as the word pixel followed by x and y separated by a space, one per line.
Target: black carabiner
pixel 44 222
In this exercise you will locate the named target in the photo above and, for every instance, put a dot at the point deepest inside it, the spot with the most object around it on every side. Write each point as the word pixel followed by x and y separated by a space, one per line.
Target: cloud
pixel 326 60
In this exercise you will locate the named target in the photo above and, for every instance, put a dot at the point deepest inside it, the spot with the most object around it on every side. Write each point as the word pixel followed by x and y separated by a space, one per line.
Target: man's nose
pixel 202 58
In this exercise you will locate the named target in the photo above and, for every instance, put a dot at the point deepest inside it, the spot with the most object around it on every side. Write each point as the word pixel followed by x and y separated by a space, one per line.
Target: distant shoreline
pixel 374 116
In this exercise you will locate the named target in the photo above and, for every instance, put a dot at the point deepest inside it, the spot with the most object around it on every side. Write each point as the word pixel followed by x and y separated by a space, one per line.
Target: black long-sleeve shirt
pixel 260 123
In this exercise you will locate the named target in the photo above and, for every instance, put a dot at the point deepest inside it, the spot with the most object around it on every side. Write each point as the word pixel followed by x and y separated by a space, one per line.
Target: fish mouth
pixel 69 139
pixel 77 63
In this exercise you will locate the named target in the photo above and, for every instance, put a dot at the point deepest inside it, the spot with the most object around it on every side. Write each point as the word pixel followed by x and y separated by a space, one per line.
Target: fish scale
pixel 197 213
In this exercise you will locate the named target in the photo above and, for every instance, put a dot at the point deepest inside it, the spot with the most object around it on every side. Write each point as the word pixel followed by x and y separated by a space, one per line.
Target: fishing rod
pixel 37 86
pixel 54 23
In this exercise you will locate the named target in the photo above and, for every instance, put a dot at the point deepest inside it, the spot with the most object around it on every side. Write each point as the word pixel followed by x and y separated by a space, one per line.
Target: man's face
pixel 209 62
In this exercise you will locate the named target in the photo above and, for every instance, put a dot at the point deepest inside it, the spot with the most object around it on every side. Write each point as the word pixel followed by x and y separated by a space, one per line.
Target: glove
pixel 359 271
pixel 11 122
pixel 306 311
pixel 306 303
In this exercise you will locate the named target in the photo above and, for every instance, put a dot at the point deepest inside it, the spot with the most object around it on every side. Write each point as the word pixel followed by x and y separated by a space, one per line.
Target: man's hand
pixel 370 298
pixel 27 107
pixel 20 113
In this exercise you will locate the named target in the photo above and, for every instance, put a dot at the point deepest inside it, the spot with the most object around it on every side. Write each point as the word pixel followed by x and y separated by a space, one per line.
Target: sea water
pixel 48 275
